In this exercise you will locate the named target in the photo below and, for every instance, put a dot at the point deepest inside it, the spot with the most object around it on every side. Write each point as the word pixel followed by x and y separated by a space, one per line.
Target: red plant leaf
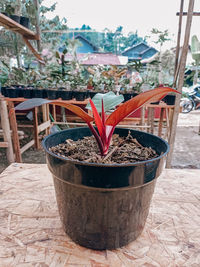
pixel 97 118
pixel 75 109
pixel 137 102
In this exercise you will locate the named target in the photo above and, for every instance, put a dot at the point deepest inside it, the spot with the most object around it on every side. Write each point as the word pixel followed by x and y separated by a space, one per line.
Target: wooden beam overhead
pixel 12 25
pixel 186 13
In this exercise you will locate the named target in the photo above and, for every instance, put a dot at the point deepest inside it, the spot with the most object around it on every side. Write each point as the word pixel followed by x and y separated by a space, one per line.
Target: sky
pixel 140 16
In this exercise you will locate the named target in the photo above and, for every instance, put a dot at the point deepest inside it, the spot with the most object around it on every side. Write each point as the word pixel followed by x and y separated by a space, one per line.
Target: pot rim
pixel 102 189
pixel 103 164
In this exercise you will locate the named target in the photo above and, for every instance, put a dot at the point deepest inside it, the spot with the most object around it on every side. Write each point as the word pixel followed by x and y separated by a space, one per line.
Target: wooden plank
pixel 150 119
pixel 32 234
pixel 16 27
pixel 36 130
pixel 44 126
pixel 35 53
pixel 4 144
pixel 27 146
pixel 45 117
pixel 180 82
pixel 161 122
pixel 186 13
pixel 54 112
pixel 6 130
pixel 13 125
pixel 142 119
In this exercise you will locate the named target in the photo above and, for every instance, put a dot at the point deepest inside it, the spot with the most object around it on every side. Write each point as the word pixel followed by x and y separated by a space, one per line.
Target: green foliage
pixel 162 36
pixel 195 49
pixel 108 41
pixel 4 72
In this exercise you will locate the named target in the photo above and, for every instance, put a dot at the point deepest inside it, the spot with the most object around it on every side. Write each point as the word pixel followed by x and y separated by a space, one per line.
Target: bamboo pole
pixel 176 67
pixel 37 26
pixel 6 130
pixel 180 82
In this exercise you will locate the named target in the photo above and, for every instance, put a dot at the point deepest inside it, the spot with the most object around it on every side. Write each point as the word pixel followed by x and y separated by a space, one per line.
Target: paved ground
pixel 186 151
pixel 187 144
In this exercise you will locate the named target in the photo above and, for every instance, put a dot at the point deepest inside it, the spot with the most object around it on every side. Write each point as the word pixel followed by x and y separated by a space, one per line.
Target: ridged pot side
pixel 104 206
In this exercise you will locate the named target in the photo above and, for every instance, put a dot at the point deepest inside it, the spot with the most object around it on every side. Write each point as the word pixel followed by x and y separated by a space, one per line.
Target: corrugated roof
pixel 100 59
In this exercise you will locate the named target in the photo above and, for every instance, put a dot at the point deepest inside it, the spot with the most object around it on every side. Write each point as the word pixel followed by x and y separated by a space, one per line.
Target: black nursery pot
pixel 65 95
pixel 15 18
pixel 79 95
pixel 104 206
pixel 24 21
pixel 169 99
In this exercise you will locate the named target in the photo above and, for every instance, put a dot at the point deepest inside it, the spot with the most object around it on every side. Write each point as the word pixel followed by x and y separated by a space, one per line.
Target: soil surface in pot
pixel 122 150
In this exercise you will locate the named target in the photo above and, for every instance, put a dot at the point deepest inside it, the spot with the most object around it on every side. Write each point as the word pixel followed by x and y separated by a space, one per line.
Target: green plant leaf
pixel 195 49
pixel 110 101
pixel 57 55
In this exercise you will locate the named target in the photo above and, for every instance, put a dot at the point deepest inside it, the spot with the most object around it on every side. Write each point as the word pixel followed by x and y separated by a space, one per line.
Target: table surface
pixel 31 233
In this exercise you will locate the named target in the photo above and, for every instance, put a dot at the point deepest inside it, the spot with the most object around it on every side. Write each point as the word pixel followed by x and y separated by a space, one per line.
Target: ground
pixel 186 150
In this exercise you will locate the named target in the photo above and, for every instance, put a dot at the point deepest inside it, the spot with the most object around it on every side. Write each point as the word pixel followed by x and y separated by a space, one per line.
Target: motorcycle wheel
pixel 187 106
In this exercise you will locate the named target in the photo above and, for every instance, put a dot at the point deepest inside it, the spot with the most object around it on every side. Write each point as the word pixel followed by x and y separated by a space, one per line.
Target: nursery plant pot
pixel 169 99
pixel 65 95
pixel 28 92
pixel 12 92
pixel 37 93
pixel 52 94
pixel 4 91
pixel 24 21
pixel 128 96
pixel 91 94
pixel 104 206
pixel 79 95
pixel 15 18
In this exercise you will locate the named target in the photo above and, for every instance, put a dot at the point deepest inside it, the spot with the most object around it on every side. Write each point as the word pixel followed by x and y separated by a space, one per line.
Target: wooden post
pixel 13 125
pixel 151 119
pixel 6 130
pixel 45 117
pixel 180 82
pixel 36 132
pixel 37 26
pixel 142 120
pixel 161 122
pixel 176 67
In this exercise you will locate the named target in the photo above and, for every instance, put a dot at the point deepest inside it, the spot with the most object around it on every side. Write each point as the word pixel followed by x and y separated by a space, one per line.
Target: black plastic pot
pixel 104 206
pixel 128 96
pixel 4 91
pixel 52 94
pixel 79 95
pixel 12 92
pixel 28 93
pixel 24 21
pixel 15 18
pixel 169 99
pixel 37 93
pixel 91 94
pixel 65 95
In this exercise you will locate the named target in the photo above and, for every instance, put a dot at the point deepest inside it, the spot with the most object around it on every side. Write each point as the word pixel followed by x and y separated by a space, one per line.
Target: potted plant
pixel 104 205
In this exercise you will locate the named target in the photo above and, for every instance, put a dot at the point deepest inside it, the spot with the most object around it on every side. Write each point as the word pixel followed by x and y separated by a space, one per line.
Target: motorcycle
pixel 192 101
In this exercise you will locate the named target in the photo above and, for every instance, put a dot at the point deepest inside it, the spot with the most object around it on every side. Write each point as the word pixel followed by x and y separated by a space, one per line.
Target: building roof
pixel 147 50
pixel 134 47
pixel 100 59
pixel 87 41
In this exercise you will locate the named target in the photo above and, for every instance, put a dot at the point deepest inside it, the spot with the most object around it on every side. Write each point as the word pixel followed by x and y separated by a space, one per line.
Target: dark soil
pixel 122 150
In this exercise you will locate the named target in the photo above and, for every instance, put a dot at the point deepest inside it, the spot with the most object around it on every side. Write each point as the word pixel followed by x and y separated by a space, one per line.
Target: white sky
pixel 140 15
